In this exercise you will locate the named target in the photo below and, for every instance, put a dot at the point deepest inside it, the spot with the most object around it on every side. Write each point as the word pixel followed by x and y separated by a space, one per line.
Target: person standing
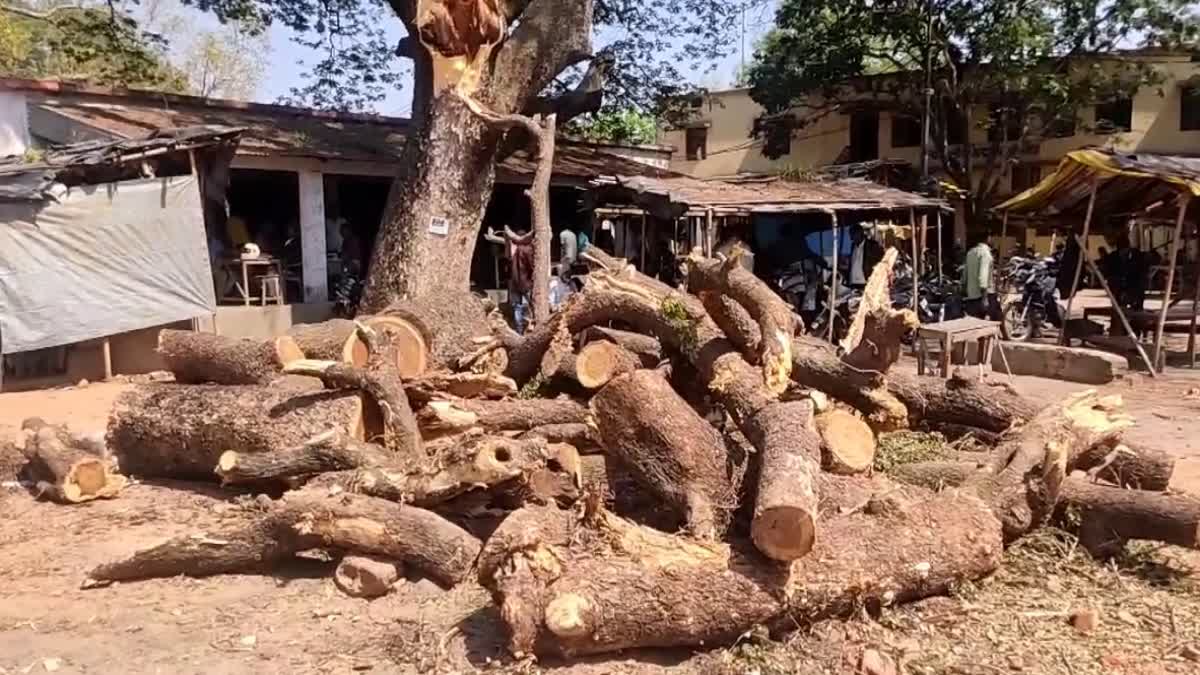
pixel 568 250
pixel 979 287
pixel 865 253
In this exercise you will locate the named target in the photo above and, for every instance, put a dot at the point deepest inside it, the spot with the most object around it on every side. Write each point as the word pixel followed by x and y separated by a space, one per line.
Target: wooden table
pixel 271 264
pixel 959 331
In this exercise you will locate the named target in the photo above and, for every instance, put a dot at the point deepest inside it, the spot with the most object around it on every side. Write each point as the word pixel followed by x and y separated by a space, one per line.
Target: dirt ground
pixel 296 621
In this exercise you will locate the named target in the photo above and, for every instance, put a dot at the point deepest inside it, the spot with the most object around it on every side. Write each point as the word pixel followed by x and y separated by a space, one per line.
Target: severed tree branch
pixel 40 16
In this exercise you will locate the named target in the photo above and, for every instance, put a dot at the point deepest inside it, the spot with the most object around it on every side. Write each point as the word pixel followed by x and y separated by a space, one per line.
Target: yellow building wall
pixel 731 115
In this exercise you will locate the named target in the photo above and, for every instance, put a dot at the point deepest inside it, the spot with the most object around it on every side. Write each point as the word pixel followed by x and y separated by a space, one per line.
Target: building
pixel 307 187
pixel 717 140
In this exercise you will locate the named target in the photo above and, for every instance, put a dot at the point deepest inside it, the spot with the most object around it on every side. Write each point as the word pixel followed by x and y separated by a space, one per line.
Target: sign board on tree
pixel 439 226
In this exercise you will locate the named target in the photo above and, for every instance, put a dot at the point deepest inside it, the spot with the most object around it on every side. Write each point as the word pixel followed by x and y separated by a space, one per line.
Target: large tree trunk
pixel 671 449
pixel 431 224
pixel 566 589
pixel 539 200
pixel 333 340
pixel 180 431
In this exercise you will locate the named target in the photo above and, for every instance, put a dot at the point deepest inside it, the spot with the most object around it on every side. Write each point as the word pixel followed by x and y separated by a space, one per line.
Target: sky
pixel 286 72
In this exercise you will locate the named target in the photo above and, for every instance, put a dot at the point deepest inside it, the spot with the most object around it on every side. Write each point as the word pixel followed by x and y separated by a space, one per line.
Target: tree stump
pixel 847 443
pixel 332 340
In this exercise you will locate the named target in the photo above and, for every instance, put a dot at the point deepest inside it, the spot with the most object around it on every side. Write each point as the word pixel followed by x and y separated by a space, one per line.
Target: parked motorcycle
pixel 1035 280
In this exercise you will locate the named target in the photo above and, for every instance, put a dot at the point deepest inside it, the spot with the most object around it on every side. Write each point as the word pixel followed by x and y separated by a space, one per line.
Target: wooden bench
pixel 949 334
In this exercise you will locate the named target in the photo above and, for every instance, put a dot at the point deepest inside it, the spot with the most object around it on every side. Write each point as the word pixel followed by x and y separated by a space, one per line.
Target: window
pixel 956 131
pixel 696 142
pixel 1004 124
pixel 864 136
pixel 1062 126
pixel 1115 115
pixel 1189 109
pixel 1025 176
pixel 778 140
pixel 906 131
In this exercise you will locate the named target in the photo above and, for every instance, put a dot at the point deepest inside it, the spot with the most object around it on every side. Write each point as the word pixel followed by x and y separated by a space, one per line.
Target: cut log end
pixel 568 616
pixel 412 348
pixel 847 443
pixel 599 362
pixel 784 533
pixel 286 350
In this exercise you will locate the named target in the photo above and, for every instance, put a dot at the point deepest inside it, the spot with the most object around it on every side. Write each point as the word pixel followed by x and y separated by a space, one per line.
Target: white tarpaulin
pixel 104 259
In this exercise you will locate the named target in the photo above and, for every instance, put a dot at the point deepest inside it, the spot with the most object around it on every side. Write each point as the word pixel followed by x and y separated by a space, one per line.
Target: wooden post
pixel 1195 311
pixel 916 262
pixel 1120 312
pixel 1083 255
pixel 1003 236
pixel 833 287
pixel 939 245
pixel 1173 258
pixel 708 229
pixel 642 267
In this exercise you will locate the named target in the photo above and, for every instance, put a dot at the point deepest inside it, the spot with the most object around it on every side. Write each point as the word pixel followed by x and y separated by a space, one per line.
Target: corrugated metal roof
pixel 1125 184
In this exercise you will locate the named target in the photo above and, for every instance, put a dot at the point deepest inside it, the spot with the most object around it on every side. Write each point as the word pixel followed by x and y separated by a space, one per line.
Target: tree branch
pixel 551 35
pixel 40 16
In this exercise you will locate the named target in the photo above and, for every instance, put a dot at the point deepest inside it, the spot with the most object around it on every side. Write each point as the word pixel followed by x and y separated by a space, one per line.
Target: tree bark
pixel 647 348
pixel 196 358
pixel 180 431
pixel 1128 465
pixel 563 592
pixel 933 401
pixel 66 473
pixel 1110 516
pixel 776 322
pixel 539 200
pixel 332 450
pixel 258 541
pixel 481 462
pixel 815 364
pixel 511 415
pixel 332 340
pixel 459 385
pixel 785 506
pixel 578 434
pixel 599 362
pixel 672 450
pixel 874 340
pixel 847 443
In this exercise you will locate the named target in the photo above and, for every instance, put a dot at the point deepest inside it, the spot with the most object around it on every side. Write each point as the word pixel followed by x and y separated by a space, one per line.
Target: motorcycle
pixel 1035 279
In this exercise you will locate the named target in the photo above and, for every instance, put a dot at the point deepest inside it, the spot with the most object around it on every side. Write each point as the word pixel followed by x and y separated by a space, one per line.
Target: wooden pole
pixel 1166 302
pixel 916 262
pixel 1083 255
pixel 939 245
pixel 1120 312
pixel 1195 311
pixel 108 369
pixel 834 285
pixel 708 232
pixel 642 267
pixel 1003 236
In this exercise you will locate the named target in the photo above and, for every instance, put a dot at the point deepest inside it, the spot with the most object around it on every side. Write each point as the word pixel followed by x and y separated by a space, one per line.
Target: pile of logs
pixel 650 467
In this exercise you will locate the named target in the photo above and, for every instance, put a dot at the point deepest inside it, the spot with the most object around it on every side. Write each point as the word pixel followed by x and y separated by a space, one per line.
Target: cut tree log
pixel 477 463
pixel 380 379
pixel 815 364
pixel 679 321
pixel 580 588
pixel 180 431
pixel 433 330
pixel 258 540
pixel 959 401
pixel 873 342
pixel 668 447
pixel 776 322
pixel 1029 467
pixel 599 362
pixel 1108 515
pixel 67 474
pixel 785 505
pixel 196 358
pixel 442 384
pixel 847 443
pixel 512 415
pixel 578 434
pixel 332 340
pixel 1127 465
pixel 647 347
pixel 331 450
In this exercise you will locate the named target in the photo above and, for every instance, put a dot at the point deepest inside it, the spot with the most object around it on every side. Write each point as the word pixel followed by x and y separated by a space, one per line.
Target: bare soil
pixel 296 621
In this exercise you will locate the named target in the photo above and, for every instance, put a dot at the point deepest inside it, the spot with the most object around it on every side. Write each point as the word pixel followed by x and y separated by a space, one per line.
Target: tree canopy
pixel 1030 65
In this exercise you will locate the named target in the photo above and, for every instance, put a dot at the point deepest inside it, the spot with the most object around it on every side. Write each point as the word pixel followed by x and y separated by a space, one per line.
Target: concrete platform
pixel 1071 364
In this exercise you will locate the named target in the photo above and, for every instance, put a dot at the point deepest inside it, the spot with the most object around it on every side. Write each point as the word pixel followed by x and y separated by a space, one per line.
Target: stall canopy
pixel 1128 184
